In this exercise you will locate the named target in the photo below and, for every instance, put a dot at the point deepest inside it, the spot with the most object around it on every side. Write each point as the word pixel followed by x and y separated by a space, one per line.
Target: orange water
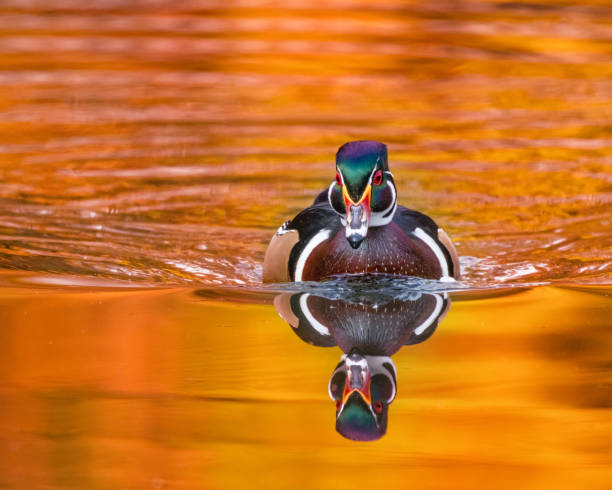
pixel 137 389
pixel 165 142
pixel 148 150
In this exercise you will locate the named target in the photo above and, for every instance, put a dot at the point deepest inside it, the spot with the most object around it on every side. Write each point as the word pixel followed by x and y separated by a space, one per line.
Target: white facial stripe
pixel 315 241
pixel 435 248
pixel 377 219
pixel 318 326
pixel 329 385
pixel 329 192
pixel 425 325
pixel 376 367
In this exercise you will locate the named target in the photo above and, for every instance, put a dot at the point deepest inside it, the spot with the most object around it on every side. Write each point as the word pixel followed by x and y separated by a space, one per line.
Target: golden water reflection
pixel 138 389
pixel 162 143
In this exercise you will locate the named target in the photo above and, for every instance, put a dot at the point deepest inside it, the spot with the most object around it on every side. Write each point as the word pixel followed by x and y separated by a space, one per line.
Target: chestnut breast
pixel 386 249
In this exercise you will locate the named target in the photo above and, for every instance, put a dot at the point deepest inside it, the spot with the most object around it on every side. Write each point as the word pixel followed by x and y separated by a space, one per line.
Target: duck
pixel 369 329
pixel 356 226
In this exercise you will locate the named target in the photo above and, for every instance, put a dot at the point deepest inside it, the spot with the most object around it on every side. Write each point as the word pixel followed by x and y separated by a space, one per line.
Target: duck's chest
pixel 386 249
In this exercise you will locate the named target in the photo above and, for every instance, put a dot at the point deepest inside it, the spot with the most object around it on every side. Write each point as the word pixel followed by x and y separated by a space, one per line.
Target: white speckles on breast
pixel 385 250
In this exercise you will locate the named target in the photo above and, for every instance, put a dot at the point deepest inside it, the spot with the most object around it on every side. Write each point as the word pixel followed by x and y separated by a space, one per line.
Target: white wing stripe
pixel 316 240
pixel 377 218
pixel 435 248
pixel 425 325
pixel 318 326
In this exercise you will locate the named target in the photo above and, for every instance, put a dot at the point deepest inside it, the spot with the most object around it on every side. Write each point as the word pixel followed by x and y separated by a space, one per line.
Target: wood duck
pixel 355 226
pixel 364 383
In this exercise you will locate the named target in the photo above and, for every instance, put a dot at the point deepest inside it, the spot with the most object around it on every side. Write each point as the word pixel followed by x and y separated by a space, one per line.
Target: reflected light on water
pixel 149 150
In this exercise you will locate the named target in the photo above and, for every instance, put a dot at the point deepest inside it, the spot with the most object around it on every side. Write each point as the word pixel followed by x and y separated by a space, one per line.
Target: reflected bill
pixel 368 331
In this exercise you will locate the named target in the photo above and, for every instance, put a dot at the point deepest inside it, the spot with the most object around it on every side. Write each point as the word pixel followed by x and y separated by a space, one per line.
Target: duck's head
pixel 363 387
pixel 363 192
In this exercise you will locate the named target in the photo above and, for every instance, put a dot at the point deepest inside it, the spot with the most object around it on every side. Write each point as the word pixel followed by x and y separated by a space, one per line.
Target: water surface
pixel 164 144
pixel 148 151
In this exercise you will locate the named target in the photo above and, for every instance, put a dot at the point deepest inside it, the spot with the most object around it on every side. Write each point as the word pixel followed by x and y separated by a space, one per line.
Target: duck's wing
pixel 314 224
pixel 450 247
pixel 292 237
pixel 306 323
pixel 276 260
pixel 414 222
pixel 433 308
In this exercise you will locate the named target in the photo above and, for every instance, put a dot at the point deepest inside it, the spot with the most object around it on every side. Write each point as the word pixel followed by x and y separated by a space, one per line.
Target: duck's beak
pixel 358 378
pixel 357 216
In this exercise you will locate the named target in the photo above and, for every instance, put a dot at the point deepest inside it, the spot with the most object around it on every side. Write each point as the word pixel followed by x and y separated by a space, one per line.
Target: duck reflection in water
pixel 369 329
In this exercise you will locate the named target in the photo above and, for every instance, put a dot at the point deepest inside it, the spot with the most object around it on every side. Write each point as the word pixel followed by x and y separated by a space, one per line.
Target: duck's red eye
pixel 377 407
pixel 378 176
pixel 338 179
pixel 338 405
